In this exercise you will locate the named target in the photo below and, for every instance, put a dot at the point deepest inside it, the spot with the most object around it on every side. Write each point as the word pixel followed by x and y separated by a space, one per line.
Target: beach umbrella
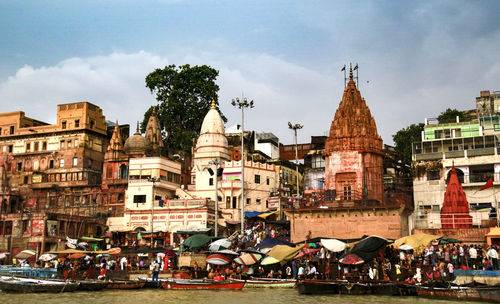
pixel 369 247
pixel 3 255
pixel 248 258
pixel 305 251
pixel 446 240
pixel 333 245
pixel 47 257
pixel 271 242
pixel 405 247
pixel 25 254
pixel 269 260
pixel 195 242
pixel 217 259
pixel 114 251
pixel 416 240
pixel 220 245
pixel 284 253
pixel 171 253
pixel 160 254
pixel 351 259
pixel 76 255
pixel 312 245
pixel 227 251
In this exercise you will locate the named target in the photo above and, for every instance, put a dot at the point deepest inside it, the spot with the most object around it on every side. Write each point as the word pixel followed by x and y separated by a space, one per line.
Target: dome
pixel 212 123
pixel 137 144
pixel 212 142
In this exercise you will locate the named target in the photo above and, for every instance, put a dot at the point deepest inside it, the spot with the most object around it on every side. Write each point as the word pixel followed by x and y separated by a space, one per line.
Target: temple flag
pixel 488 184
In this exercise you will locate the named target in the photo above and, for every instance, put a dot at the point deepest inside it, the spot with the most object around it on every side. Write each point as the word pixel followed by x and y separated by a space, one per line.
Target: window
pixel 249 201
pixel 257 201
pixel 92 123
pixel 19 166
pixel 51 164
pixel 76 143
pixel 11 129
pixel 26 180
pixel 210 181
pixel 90 143
pixel 61 144
pixel 36 147
pixel 0 131
pixel 433 175
pixel 44 146
pixel 257 179
pixel 347 193
pixel 77 123
pixel 28 147
pixel 267 181
pixel 140 199
pixel 235 202
pixel 61 163
pixel 69 144
pixel 64 124
pixel 75 161
pixel 11 148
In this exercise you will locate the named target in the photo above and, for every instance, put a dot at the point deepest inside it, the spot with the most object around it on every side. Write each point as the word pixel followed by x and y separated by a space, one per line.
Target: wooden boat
pixel 355 288
pixel 318 287
pixel 28 286
pixel 267 283
pixel 148 282
pixel 488 293
pixel 201 284
pixel 125 284
pixel 91 285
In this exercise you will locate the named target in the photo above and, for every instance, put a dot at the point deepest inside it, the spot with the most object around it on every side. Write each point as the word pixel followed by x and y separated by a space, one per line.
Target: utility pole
pixel 296 127
pixel 242 105
pixel 217 163
pixel 153 180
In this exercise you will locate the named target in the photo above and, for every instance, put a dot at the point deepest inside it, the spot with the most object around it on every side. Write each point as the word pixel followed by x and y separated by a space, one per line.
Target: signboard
pixel 52 228
pixel 38 226
pixel 35 179
pixel 273 202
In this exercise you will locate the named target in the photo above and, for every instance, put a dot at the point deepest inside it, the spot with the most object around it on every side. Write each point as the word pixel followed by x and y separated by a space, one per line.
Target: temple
pixel 455 210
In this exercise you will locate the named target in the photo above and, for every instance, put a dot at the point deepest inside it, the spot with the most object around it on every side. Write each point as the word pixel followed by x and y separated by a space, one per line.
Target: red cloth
pixel 488 184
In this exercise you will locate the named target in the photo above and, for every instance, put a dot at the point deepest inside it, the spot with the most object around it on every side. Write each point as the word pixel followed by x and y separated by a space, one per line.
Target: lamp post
pixel 153 180
pixel 296 127
pixel 242 104
pixel 217 163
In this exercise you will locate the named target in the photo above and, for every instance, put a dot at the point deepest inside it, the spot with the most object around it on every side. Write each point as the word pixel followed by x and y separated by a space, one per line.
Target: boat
pixel 267 283
pixel 201 284
pixel 148 282
pixel 28 286
pixel 91 285
pixel 354 288
pixel 125 284
pixel 318 287
pixel 452 292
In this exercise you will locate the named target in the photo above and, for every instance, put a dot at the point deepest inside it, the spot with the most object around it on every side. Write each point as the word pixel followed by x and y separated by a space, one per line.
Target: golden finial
pixel 350 71
pixel 213 105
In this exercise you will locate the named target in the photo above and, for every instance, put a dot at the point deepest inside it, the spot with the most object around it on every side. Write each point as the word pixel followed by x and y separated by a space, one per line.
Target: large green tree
pixel 403 140
pixel 184 96
pixel 450 115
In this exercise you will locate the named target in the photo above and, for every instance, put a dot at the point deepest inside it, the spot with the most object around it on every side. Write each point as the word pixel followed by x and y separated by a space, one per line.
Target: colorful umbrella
pixel 312 245
pixel 3 255
pixel 305 251
pixel 217 259
pixel 351 259
pixel 269 260
pixel 445 240
pixel 248 258
pixel 47 257
pixel 227 251
pixel 405 247
pixel 220 245
pixel 25 254
pixel 114 251
pixel 333 245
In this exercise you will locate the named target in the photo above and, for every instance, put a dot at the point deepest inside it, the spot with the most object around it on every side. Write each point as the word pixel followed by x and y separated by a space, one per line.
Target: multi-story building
pixel 472 147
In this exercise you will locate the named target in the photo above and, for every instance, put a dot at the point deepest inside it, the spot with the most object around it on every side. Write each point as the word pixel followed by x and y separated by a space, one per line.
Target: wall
pixel 469 235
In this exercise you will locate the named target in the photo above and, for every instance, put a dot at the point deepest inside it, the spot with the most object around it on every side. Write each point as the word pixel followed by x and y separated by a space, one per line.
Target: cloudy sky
pixel 416 58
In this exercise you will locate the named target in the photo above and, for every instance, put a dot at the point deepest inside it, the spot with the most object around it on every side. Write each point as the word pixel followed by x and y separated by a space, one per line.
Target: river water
pixel 245 296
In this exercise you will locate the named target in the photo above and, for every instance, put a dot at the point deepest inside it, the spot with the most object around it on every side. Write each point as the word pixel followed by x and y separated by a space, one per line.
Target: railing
pixel 433 219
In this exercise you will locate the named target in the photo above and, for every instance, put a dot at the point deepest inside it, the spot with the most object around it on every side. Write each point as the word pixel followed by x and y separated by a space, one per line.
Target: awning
pixel 91 239
pixel 265 215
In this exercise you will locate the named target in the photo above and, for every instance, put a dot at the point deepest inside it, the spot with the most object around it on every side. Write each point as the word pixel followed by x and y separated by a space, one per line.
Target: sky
pixel 416 58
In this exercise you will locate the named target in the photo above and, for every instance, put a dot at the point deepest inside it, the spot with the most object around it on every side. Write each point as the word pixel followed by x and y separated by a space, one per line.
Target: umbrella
pixel 217 259
pixel 161 254
pixel 248 258
pixel 351 259
pixel 171 253
pixel 3 255
pixel 446 240
pixel 405 247
pixel 195 242
pixel 416 240
pixel 312 245
pixel 284 253
pixel 369 247
pixel 220 245
pixel 227 251
pixel 102 255
pixel 47 257
pixel 333 245
pixel 114 251
pixel 25 254
pixel 269 260
pixel 305 251
pixel 271 242
pixel 76 255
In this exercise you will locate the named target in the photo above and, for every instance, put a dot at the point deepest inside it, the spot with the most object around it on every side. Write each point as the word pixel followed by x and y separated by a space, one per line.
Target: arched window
pixel 123 172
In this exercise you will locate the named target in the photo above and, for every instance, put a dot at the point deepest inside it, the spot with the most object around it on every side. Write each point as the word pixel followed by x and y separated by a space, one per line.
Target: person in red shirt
pixel 218 277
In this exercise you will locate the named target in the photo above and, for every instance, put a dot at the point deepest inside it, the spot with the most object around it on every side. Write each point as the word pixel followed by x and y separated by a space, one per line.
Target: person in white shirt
pixel 473 256
pixel 123 263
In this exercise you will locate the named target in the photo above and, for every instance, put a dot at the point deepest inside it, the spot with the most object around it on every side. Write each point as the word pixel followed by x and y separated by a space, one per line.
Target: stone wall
pixel 466 235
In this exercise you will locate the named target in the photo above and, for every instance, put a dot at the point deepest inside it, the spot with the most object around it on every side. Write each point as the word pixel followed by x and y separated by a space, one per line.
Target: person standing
pixel 156 271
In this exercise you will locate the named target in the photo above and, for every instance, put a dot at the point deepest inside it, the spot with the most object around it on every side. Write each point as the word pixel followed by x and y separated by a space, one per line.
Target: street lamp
pixel 153 180
pixel 242 104
pixel 217 163
pixel 295 127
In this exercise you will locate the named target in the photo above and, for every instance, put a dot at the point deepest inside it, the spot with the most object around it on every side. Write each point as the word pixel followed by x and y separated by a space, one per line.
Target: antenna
pixel 357 77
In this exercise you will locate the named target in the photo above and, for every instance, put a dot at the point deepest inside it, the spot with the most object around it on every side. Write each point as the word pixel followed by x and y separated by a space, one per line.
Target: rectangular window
pixel 90 143
pixel 26 180
pixel 28 147
pixel 62 144
pixel 210 181
pixel 140 199
pixel 44 146
pixel 61 163
pixel 69 144
pixel 257 201
pixel 249 201
pixel 19 166
pixel 64 124
pixel 267 181
pixel 76 143
pixel 11 148
pixel 51 164
pixel 77 123
pixel 0 131
pixel 347 193
pixel 75 161
pixel 36 147
pixel 257 179
pixel 235 202
pixel 11 129
pixel 89 163
pixel 433 175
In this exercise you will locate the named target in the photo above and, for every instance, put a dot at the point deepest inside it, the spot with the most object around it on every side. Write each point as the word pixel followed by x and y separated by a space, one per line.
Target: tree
pixel 184 95
pixel 450 115
pixel 403 140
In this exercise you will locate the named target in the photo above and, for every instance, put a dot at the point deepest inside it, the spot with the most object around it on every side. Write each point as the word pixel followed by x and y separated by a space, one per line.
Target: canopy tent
pixel 416 240
pixel 25 254
pixel 218 259
pixel 284 253
pixel 266 214
pixel 269 260
pixel 271 242
pixel 446 240
pixel 248 258
pixel 405 247
pixel 195 242
pixel 3 255
pixel 368 248
pixel 333 245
